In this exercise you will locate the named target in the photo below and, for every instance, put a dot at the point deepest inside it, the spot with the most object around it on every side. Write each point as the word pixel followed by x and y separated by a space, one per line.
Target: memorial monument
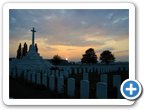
pixel 32 60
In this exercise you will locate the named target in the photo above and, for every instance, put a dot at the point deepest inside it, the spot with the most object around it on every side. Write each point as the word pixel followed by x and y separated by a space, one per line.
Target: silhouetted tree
pixel 89 56
pixel 19 52
pixel 24 50
pixel 36 48
pixel 56 60
pixel 107 57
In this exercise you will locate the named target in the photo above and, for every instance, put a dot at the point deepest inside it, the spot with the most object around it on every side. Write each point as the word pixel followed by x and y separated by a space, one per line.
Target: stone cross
pixel 33 37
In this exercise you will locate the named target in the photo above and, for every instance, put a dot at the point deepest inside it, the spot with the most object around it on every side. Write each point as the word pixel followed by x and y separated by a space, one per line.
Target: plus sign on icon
pixel 130 89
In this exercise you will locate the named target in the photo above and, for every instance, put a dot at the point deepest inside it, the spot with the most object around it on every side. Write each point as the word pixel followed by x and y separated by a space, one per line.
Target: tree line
pixel 89 56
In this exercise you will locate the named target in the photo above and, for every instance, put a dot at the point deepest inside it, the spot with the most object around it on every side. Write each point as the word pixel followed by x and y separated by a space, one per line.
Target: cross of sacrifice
pixel 33 37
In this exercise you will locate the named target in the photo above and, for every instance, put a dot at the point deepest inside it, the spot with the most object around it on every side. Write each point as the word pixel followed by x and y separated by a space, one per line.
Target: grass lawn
pixel 19 89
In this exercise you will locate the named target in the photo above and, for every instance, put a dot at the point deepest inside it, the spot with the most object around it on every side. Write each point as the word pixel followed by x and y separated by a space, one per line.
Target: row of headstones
pixel 49 72
pixel 65 73
pixel 99 70
pixel 31 76
pixel 84 84
pixel 77 70
pixel 102 86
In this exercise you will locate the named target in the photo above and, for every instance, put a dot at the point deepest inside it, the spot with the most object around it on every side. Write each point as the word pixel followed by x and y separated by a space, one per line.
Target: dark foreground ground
pixel 20 89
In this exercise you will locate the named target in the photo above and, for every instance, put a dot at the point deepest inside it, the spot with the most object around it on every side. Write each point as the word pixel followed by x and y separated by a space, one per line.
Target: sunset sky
pixel 70 32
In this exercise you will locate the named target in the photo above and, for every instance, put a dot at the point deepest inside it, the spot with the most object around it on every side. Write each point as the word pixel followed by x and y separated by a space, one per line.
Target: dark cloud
pixel 70 27
pixel 51 49
pixel 122 51
pixel 105 48
pixel 71 49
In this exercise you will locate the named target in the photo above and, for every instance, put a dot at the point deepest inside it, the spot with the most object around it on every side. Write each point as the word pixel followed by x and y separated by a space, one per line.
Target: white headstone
pixel 61 73
pixel 25 74
pixel 85 76
pixel 88 70
pixel 51 82
pixel 38 78
pixel 84 89
pixel 60 84
pixel 104 78
pixel 43 75
pixel 91 69
pixel 33 77
pixel 75 70
pixel 66 73
pixel 71 87
pixel 80 70
pixel 101 91
pixel 84 70
pixel 104 69
pixel 48 73
pixel 57 73
pixel 29 76
pixel 45 80
pixel 116 80
pixel 53 72
pixel 70 71
pixel 19 72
